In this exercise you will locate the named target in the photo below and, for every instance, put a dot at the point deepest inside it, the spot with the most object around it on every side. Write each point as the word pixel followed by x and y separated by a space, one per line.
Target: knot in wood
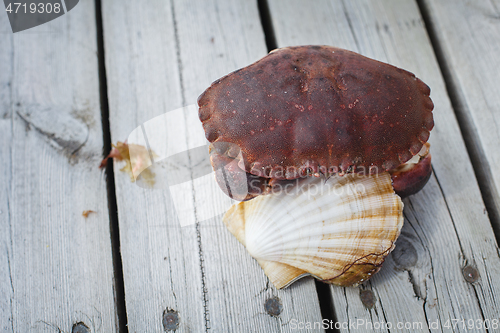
pixel 367 298
pixel 273 306
pixel 170 320
pixel 405 255
pixel 80 327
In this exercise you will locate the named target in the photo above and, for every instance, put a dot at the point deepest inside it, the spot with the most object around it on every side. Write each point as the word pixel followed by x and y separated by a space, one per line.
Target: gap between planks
pixel 119 289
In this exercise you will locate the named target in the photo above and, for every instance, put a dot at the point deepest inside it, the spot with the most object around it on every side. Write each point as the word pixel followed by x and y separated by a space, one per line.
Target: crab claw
pixel 411 177
pixel 235 182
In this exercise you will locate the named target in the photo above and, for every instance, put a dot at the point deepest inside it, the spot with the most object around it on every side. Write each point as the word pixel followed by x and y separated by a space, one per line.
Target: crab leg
pixel 411 177
pixel 235 182
pixel 407 179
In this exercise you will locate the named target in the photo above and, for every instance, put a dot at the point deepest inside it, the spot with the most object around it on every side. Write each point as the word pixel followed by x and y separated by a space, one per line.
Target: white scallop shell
pixel 339 230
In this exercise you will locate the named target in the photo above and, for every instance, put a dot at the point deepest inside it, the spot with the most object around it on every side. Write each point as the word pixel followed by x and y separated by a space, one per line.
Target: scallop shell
pixel 338 230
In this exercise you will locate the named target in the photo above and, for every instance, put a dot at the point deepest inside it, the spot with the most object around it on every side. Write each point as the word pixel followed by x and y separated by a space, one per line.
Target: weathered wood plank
pixel 160 259
pixel 55 265
pixel 229 38
pixel 469 43
pixel 446 226
pixel 158 58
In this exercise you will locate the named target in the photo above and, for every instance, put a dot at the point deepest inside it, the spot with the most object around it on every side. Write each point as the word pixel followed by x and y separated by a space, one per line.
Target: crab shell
pixel 317 109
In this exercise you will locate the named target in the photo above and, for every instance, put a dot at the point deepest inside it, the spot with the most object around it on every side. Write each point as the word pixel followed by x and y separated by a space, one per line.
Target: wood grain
pixel 55 265
pixel 160 57
pixel 160 259
pixel 446 225
pixel 467 36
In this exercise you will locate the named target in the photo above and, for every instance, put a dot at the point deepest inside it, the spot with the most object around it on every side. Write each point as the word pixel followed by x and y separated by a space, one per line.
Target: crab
pixel 311 110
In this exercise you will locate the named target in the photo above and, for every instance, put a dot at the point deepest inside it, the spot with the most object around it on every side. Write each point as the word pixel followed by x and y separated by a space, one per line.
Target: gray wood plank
pixel 55 265
pixel 468 34
pixel 160 57
pixel 161 266
pixel 446 226
pixel 228 38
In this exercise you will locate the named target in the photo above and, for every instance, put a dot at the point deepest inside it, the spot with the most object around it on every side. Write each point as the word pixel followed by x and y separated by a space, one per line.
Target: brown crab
pixel 311 110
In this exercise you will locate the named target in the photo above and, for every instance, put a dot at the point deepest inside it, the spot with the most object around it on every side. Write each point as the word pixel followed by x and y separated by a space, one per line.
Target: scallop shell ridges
pixel 338 230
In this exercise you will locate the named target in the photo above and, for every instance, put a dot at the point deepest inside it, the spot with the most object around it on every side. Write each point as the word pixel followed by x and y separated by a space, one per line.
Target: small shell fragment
pixel 86 213
pixel 338 230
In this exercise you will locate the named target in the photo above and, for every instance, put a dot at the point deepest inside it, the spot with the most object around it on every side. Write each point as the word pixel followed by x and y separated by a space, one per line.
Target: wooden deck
pixel 72 86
